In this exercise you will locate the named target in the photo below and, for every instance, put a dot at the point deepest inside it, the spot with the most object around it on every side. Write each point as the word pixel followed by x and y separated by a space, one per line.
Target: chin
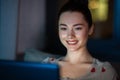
pixel 72 49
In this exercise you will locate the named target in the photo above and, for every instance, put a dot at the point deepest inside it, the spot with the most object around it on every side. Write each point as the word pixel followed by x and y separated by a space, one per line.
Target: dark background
pixel 31 24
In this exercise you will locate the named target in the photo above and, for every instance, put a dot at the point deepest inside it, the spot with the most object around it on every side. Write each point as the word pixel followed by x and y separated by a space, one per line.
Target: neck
pixel 79 56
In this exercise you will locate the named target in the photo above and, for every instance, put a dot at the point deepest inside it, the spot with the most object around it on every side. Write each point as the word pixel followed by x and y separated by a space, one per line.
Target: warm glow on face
pixel 73 30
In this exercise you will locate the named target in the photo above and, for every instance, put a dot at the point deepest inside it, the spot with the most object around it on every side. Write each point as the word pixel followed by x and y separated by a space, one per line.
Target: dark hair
pixel 73 5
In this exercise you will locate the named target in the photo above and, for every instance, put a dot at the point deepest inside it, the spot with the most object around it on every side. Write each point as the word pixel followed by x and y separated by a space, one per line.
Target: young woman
pixel 75 26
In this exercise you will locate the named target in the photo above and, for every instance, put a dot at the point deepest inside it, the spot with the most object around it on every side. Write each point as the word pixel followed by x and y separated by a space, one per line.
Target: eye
pixel 63 28
pixel 78 28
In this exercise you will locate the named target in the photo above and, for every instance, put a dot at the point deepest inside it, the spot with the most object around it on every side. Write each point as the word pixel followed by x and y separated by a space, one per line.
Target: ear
pixel 91 30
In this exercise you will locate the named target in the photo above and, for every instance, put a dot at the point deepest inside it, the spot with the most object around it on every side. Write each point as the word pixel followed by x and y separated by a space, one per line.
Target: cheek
pixel 62 35
pixel 82 34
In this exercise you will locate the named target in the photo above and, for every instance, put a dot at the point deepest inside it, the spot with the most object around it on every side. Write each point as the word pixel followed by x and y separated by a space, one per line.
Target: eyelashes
pixel 63 29
pixel 75 28
pixel 78 28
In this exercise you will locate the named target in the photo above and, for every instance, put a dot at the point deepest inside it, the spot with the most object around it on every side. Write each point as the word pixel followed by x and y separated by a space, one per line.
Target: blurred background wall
pixel 31 24
pixel 22 26
pixel 8 28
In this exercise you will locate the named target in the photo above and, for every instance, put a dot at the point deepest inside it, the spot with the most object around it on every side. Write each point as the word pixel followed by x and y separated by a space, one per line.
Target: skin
pixel 73 34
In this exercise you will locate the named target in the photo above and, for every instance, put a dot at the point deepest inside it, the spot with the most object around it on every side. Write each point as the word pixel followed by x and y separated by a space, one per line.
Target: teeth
pixel 71 42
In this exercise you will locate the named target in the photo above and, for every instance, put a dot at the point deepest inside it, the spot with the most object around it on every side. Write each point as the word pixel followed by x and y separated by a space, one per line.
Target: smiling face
pixel 73 30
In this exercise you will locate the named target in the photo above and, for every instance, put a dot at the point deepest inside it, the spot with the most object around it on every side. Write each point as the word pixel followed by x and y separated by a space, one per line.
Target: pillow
pixel 37 56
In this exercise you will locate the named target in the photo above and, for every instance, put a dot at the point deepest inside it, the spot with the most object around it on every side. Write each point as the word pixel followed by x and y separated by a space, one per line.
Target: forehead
pixel 71 16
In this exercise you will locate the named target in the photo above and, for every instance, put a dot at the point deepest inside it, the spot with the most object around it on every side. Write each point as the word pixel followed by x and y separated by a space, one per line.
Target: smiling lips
pixel 72 42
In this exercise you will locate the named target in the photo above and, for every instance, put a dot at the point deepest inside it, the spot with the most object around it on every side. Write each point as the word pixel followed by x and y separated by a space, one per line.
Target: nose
pixel 71 34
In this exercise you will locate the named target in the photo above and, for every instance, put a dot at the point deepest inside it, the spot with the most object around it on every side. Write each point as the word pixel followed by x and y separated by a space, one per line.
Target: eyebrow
pixel 79 24
pixel 62 25
pixel 73 25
